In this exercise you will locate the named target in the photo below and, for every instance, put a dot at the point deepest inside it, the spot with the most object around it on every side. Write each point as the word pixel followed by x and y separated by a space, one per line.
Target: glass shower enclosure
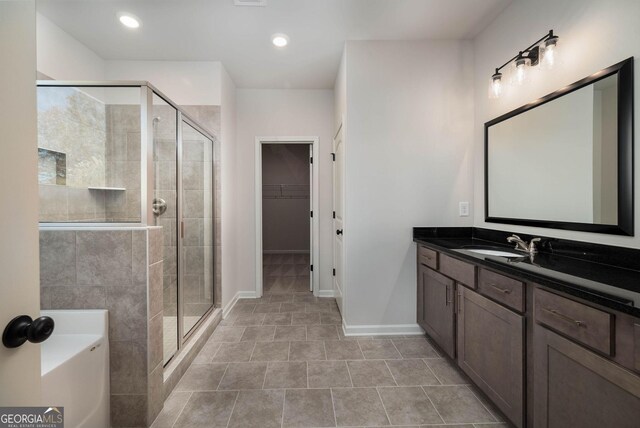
pixel 122 154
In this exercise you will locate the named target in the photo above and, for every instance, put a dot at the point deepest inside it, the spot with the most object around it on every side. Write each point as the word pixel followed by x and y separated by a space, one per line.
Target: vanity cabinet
pixel 436 311
pixel 491 351
pixel 576 387
pixel 545 358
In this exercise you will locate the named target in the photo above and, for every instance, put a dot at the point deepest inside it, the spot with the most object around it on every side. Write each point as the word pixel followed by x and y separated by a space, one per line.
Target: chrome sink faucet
pixel 522 245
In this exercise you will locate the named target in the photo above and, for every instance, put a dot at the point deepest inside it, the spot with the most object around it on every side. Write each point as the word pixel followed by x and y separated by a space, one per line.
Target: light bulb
pixel 520 74
pixel 129 20
pixel 280 40
pixel 495 87
pixel 549 51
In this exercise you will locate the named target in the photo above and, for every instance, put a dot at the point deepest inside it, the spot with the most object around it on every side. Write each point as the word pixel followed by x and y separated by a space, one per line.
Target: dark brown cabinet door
pixel 575 387
pixel 436 313
pixel 491 351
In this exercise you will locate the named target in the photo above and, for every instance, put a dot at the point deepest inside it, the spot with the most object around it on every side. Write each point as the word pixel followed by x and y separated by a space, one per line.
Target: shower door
pixel 165 214
pixel 183 206
pixel 196 228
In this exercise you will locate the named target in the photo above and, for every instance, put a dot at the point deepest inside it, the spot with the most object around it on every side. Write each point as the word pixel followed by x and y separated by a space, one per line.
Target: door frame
pixel 339 297
pixel 315 220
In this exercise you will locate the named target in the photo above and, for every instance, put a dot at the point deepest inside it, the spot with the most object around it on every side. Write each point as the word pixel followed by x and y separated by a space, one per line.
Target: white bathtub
pixel 75 367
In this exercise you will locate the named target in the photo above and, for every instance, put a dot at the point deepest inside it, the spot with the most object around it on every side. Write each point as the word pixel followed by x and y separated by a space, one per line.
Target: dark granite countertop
pixel 580 269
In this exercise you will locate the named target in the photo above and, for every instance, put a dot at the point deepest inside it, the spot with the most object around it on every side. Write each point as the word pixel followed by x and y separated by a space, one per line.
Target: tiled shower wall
pixel 72 122
pixel 102 147
pixel 123 166
pixel 121 271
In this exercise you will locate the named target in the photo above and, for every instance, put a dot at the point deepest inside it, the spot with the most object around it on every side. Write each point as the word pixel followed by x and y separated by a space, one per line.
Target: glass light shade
pixel 520 72
pixel 549 53
pixel 495 87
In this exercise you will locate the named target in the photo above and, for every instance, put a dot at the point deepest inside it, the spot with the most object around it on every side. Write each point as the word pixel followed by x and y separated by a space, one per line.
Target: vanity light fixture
pixel 542 51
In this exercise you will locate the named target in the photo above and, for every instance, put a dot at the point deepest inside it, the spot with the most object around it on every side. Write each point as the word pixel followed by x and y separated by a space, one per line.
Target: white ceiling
pixel 240 37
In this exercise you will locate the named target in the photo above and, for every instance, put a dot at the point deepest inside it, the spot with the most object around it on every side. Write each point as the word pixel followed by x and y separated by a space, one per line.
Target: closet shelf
pixel 285 191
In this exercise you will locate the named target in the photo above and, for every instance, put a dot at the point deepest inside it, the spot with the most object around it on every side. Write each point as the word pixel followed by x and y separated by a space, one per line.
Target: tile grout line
pixel 284 400
pixel 433 404
pixel 346 363
pixel 333 406
pixel 264 380
pixel 391 373
pixel 397 350
pixel 181 410
pixel 222 377
pixel 233 408
pixel 383 406
pixel 431 370
pixel 481 402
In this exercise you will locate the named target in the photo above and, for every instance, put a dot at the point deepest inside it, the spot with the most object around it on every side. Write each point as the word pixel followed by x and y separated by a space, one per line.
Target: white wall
pixel 185 82
pixel 229 188
pixel 594 34
pixel 408 163
pixel 281 113
pixel 61 57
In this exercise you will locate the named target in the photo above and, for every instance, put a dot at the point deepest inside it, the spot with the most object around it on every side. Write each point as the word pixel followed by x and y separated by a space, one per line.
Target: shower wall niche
pixel 128 183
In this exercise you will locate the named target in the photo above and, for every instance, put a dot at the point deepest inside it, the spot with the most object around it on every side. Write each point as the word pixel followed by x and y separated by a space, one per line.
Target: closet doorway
pixel 286 219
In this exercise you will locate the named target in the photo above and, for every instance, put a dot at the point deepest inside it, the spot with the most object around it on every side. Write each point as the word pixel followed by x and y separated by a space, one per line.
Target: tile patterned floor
pixel 286 273
pixel 283 361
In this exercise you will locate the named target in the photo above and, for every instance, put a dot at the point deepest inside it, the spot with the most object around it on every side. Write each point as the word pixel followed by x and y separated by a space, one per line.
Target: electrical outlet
pixel 464 209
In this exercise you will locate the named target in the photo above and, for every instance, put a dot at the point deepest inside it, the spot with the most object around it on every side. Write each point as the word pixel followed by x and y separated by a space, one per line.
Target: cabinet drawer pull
pixel 502 290
pixel 447 301
pixel 564 317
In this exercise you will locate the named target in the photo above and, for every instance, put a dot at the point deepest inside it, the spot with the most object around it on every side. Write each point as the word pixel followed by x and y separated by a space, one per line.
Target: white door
pixel 338 218
pixel 19 282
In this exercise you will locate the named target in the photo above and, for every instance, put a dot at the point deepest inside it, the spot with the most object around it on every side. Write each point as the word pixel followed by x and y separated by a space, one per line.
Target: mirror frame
pixel 625 225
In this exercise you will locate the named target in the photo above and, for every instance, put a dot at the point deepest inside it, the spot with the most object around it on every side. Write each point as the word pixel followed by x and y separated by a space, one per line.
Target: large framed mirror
pixel 565 161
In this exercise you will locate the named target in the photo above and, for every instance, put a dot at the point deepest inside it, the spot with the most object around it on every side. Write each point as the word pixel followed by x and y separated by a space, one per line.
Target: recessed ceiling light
pixel 280 40
pixel 129 20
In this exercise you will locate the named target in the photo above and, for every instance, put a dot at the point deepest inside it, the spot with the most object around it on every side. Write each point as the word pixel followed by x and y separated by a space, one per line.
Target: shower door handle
pixel 159 206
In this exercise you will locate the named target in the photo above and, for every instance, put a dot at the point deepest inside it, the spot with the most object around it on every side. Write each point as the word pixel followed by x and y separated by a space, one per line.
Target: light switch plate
pixel 464 209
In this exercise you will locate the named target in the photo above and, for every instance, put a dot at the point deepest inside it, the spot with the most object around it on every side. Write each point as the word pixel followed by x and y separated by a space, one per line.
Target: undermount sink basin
pixel 497 253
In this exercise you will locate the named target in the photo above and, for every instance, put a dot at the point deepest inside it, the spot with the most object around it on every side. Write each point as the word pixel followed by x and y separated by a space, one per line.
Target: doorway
pixel 286 226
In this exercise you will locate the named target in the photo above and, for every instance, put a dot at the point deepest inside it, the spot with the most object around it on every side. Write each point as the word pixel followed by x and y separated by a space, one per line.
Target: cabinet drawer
pixel 581 323
pixel 462 272
pixel 427 257
pixel 502 289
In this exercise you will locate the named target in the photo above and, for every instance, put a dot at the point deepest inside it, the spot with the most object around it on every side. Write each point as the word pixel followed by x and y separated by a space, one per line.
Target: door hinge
pixel 333 156
pixel 311 268
pixel 334 272
pixel 334 214
pixel 311 214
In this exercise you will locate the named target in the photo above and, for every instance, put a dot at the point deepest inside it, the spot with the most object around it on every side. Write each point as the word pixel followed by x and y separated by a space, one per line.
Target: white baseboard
pixel 382 330
pixel 286 252
pixel 325 293
pixel 239 295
